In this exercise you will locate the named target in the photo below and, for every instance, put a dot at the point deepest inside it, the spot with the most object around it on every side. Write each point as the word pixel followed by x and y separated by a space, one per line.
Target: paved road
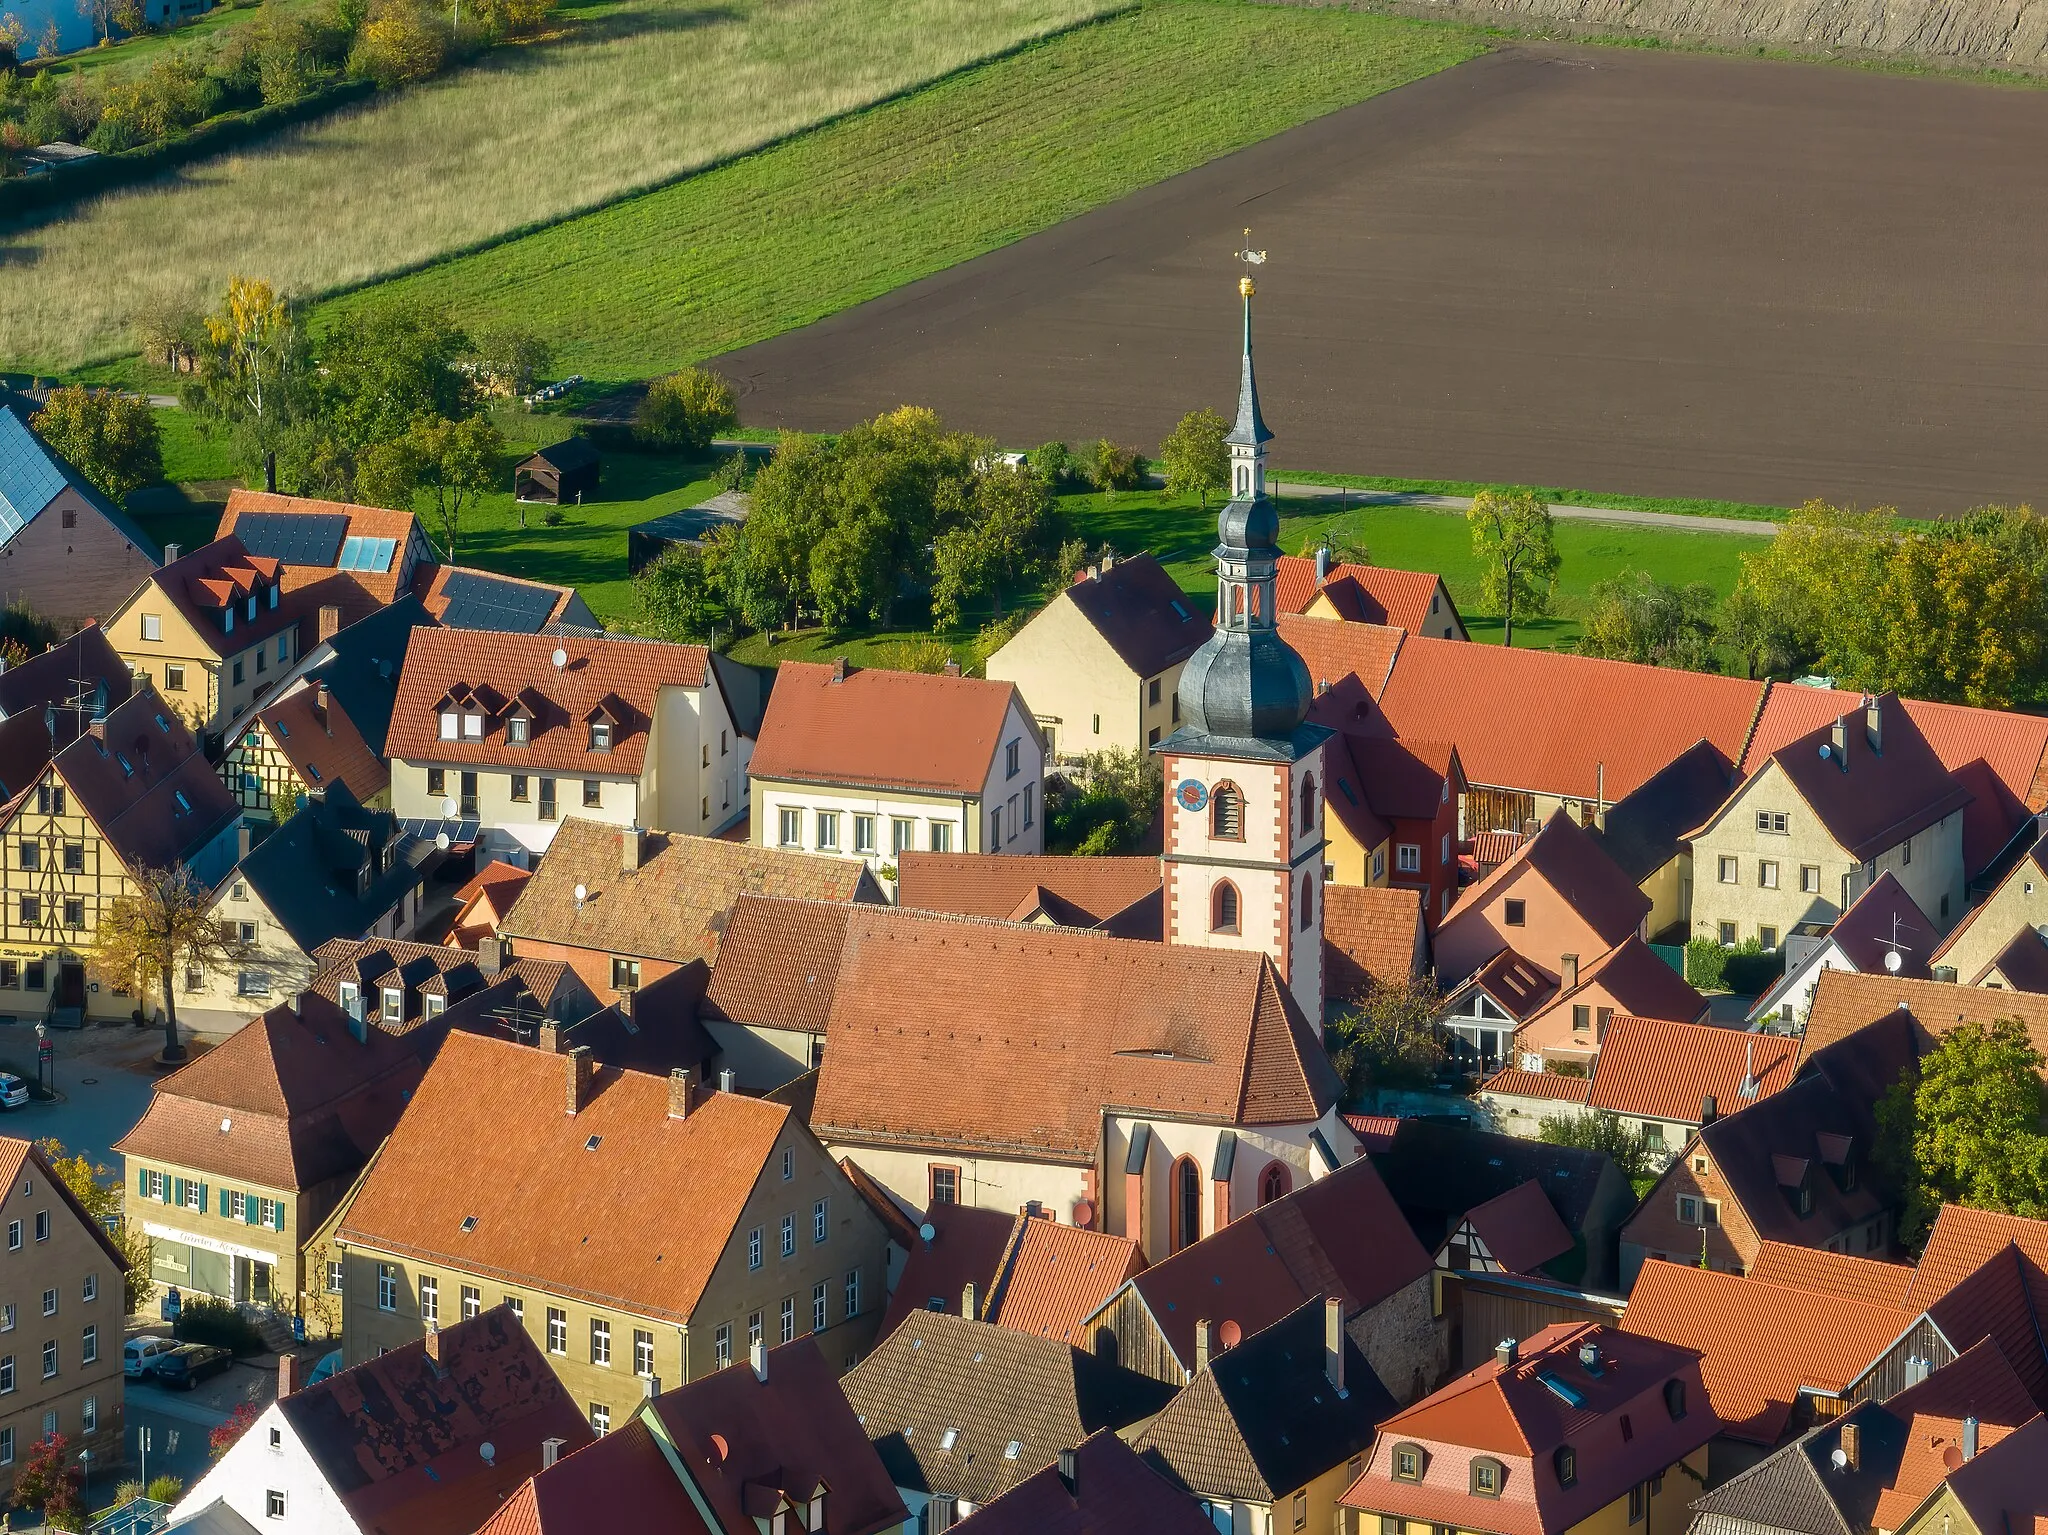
pixel 1674 520
pixel 104 1076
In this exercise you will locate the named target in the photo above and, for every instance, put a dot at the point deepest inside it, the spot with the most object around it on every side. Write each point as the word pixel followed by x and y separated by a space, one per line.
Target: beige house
pixel 1099 664
pixel 646 1231
pixel 2006 926
pixel 61 1312
pixel 1414 600
pixel 1819 821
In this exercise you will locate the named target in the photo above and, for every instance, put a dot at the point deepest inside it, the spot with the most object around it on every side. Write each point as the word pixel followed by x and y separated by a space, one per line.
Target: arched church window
pixel 1308 803
pixel 1275 1183
pixel 1308 901
pixel 1226 813
pixel 1223 907
pixel 1187 1203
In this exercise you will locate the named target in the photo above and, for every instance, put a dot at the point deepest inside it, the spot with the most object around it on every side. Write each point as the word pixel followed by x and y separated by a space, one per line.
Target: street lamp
pixel 85 1492
pixel 43 1052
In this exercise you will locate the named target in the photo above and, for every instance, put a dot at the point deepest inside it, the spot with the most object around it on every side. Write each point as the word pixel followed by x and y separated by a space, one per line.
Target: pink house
pixel 1559 902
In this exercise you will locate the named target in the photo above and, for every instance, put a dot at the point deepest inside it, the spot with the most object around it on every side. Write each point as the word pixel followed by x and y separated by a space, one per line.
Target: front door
pixel 70 985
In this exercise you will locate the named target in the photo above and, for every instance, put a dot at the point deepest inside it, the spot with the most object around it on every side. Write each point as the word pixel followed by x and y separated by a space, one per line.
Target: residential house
pixel 1571 1026
pixel 1882 933
pixel 1123 896
pixel 624 906
pixel 326 721
pixel 1846 1004
pixel 1373 936
pixel 1661 1080
pixel 431 1436
pixel 1341 1237
pixel 504 734
pixel 767 1446
pixel 398 985
pixel 1994 1490
pixel 61 1277
pixel 242 1154
pixel 131 791
pixel 333 870
pixel 1438 1173
pixel 1815 823
pixel 961 1411
pixel 856 762
pixel 1099 665
pixel 50 700
pixel 483 903
pixel 2001 928
pixel 1518 1232
pixel 622 1282
pixel 1113 1081
pixel 1415 600
pixel 1482 1013
pixel 1025 1272
pixel 1579 1427
pixel 1644 832
pixel 1271 1431
pixel 66 545
pixel 1100 1487
pixel 1797 1166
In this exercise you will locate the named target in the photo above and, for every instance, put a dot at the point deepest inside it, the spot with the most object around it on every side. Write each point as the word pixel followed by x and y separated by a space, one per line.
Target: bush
pixel 735 470
pixel 1056 466
pixel 553 517
pixel 127 1492
pixel 1748 969
pixel 206 1320
pixel 165 1489
pixel 1112 467
pixel 1705 962
pixel 926 654
pixel 403 41
pixel 684 411
pixel 1597 1130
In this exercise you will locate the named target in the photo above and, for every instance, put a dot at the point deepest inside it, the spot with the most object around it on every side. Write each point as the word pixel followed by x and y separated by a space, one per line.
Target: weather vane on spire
pixel 1250 258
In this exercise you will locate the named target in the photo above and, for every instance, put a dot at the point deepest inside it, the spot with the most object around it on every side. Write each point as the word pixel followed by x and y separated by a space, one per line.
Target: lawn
pixel 817 224
pixel 639 93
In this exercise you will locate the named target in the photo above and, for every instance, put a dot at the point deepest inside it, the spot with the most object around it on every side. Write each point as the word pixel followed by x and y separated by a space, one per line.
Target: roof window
pixel 1011 1449
pixel 1570 1395
pixel 593 1143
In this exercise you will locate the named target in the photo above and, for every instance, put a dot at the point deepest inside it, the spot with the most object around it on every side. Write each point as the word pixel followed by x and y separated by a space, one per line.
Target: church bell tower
pixel 1244 773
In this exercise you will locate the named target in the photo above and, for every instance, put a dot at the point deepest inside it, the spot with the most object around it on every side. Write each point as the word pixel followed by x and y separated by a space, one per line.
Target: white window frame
pixel 821 1221
pixel 387 1287
pixel 451 725
pixel 152 627
pixel 1729 869
pixel 1407 858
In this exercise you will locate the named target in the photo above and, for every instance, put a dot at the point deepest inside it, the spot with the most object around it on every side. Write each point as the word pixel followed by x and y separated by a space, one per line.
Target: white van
pixel 138 1355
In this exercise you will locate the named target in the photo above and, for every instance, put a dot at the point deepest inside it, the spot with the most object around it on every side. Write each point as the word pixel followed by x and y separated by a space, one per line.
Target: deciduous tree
pixel 103 1202
pixel 1598 1130
pixel 1636 617
pixel 459 461
pixel 1391 1038
pixel 1009 537
pixel 1194 457
pixel 109 437
pixel 673 597
pixel 48 1484
pixel 1512 536
pixel 684 411
pixel 163 921
pixel 252 370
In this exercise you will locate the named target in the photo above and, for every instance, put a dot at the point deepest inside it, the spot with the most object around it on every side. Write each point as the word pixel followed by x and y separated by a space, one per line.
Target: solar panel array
pixel 297 538
pixel 29 477
pixel 478 602
pixel 372 554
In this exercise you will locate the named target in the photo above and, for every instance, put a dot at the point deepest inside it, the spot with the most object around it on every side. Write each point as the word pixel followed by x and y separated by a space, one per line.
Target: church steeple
pixel 1248 438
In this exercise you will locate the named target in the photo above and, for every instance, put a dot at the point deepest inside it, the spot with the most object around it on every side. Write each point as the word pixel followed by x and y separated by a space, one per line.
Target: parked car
pixel 139 1355
pixel 13 1091
pixel 189 1363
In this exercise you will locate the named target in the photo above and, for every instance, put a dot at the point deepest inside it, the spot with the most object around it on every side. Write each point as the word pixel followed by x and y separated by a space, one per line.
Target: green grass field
pixel 863 206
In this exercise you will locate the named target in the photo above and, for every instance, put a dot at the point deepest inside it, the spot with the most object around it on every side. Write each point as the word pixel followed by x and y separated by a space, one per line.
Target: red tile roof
pixel 2002 1300
pixel 1335 650
pixel 1055 1277
pixel 1519 986
pixel 1516 1082
pixel 1760 1343
pixel 1372 936
pixel 1494 848
pixel 445 668
pixel 377 586
pixel 1657 1070
pixel 1521 1228
pixel 1642 984
pixel 1374 1131
pixel 1113 1492
pixel 141 777
pixel 967 1246
pixel 896 730
pixel 2003 1489
pixel 1092 890
pixel 486 898
pixel 622 1482
pixel 1141 613
pixel 1365 594
pixel 1962 1241
pixel 430 585
pixel 1829 1273
pixel 1978 1383
pixel 323 745
pixel 1565 856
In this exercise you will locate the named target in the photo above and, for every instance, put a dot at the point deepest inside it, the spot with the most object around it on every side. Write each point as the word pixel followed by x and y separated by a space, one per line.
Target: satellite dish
pixel 927 1231
pixel 488 1451
pixel 560 658
pixel 441 841
pixel 449 807
pixel 582 892
pixel 1892 960
pixel 1826 751
pixel 1840 1458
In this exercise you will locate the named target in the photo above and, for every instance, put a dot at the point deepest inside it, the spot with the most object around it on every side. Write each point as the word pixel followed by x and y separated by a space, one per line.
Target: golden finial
pixel 1245 287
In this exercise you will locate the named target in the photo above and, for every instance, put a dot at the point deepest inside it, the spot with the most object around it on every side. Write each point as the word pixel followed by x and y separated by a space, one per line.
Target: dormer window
pixel 1487 1475
pixel 228 618
pixel 1566 1461
pixel 472 726
pixel 451 724
pixel 394 1002
pixel 273 596
pixel 435 1005
pixel 600 735
pixel 1410 1460
pixel 252 607
pixel 814 1516
pixel 518 730
pixel 1674 1398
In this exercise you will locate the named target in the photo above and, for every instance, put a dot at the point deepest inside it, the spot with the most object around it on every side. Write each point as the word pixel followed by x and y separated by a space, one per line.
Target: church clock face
pixel 1192 795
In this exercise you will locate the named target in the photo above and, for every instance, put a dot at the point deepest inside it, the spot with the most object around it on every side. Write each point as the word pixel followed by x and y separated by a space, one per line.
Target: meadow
pixel 638 93
pixel 815 225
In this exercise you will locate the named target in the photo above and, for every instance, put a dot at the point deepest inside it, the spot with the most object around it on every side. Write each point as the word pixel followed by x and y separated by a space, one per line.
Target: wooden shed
pixel 561 473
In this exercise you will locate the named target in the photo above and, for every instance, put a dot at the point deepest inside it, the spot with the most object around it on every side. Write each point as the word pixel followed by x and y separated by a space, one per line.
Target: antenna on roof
pixel 1893 958
pixel 560 658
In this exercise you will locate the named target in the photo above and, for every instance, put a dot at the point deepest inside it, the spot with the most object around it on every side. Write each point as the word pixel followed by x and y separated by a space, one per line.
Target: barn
pixel 562 473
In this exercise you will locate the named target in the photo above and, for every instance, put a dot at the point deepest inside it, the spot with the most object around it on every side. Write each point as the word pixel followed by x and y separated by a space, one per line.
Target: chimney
pixel 1709 1110
pixel 320 707
pixel 1841 743
pixel 625 1004
pixel 968 1308
pixel 1322 564
pixel 952 668
pixel 1569 964
pixel 1600 795
pixel 549 1039
pixel 1108 558
pixel 757 1356
pixel 630 848
pixel 727 1079
pixel 682 1094
pixel 242 840
pixel 434 1343
pixel 1201 1345
pixel 839 668
pixel 172 553
pixel 493 954
pixel 288 1375
pixel 650 1387
pixel 1852 1445
pixel 330 622
pixel 1094 572
pixel 1333 1340
pixel 580 1071
pixel 1069 1469
pixel 1873 726
pixel 1505 1353
pixel 550 1452
pixel 1970 1438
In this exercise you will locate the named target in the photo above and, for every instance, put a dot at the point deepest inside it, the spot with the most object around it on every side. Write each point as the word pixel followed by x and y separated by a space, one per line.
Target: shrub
pixel 1112 467
pixel 735 470
pixel 685 410
pixel 1056 465
pixel 402 41
pixel 127 1492
pixel 925 654
pixel 1705 961
pixel 165 1489
pixel 206 1320
pixel 1597 1130
pixel 224 1435
pixel 553 517
pixel 1747 969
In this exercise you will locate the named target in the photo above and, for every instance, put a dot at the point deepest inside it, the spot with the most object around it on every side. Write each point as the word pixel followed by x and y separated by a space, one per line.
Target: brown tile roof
pixel 1659 1070
pixel 1517 1083
pixel 1520 986
pixel 322 743
pixel 993 1386
pixel 604 1225
pixel 1363 594
pixel 1616 1420
pixel 778 964
pixel 396 1437
pixel 2002 1489
pixel 1962 1241
pixel 2002 1300
pixel 1055 1277
pixel 1039 1029
pixel 141 777
pixel 1567 858
pixel 1844 1003
pixel 2022 964
pixel 430 967
pixel 303 1100
pixel 203 584
pixel 1831 1273
pixel 676 903
pixel 1112 1492
pixel 623 1481
pixel 1092 890
pixel 1642 984
pixel 1371 937
pixel 1340 1235
pixel 1760 1343
pixel 967 1246
pixel 16 1152
pixel 1865 932
pixel 1978 1383
pixel 895 730
pixel 1521 1229
pixel 1141 613
pixel 603 677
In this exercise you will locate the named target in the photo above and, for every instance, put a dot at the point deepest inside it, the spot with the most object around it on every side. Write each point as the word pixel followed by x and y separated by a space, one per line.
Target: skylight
pixel 949 1438
pixel 1569 1395
pixel 593 1143
pixel 1010 1450
pixel 469 1223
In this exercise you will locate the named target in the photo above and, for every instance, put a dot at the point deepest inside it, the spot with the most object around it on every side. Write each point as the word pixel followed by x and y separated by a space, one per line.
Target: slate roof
pixel 1141 613
pixel 1845 1003
pixel 994 1387
pixel 1265 1419
pixel 1521 1228
pixel 396 1437
pixel 1646 828
pixel 883 729
pixel 1800 1489
pixel 675 905
pixel 308 871
pixel 1340 1235
pixel 1370 937
pixel 1565 856
pixel 1436 1172
pixel 1112 1492
pixel 1365 594
pixel 166 804
pixel 1830 1273
pixel 1657 1070
pixel 604 1226
pixel 620 677
pixel 1074 892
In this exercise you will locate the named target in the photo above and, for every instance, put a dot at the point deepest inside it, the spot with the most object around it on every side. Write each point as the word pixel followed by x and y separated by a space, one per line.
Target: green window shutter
pixel 223 1201
pixel 142 1181
pixel 252 1210
pixel 202 1196
pixel 177 1191
pixel 277 1224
